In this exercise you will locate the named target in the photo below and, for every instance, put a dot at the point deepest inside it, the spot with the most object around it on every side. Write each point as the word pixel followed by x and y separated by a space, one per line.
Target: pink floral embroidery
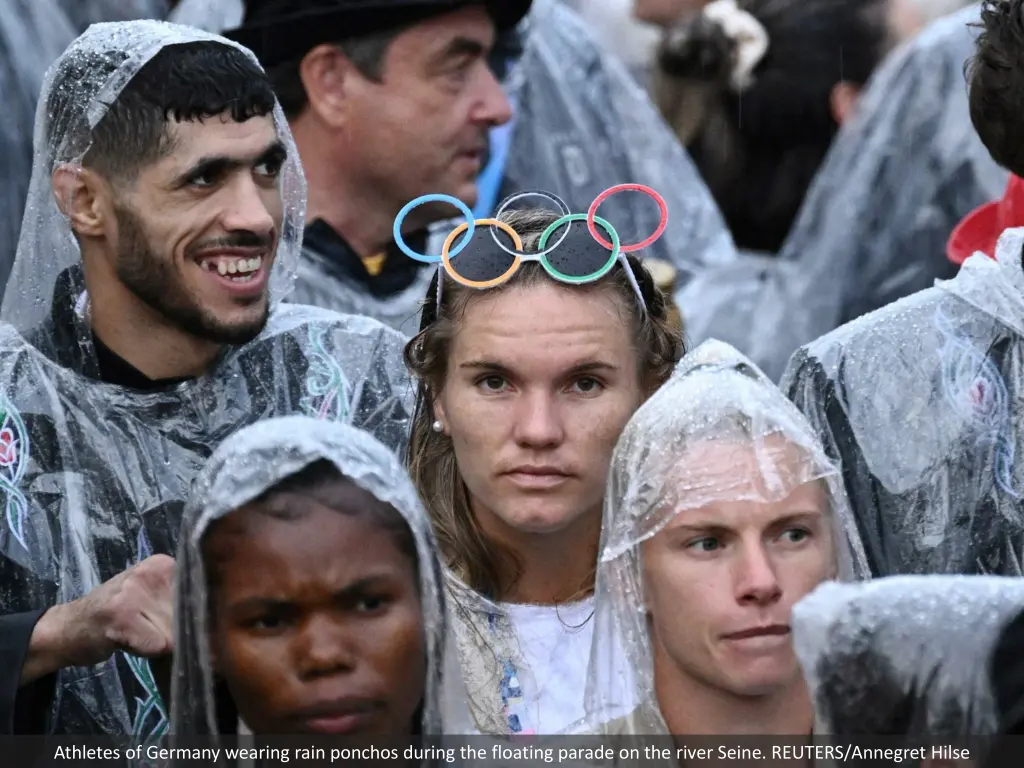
pixel 8 447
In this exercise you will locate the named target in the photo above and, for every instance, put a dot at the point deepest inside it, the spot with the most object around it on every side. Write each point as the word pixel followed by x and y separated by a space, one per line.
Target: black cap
pixel 282 30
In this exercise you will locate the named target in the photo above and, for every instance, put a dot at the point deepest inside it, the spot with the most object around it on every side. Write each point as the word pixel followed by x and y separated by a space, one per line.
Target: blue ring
pixel 396 230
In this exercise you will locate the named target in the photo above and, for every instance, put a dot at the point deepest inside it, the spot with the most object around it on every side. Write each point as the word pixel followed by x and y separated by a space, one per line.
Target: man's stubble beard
pixel 157 284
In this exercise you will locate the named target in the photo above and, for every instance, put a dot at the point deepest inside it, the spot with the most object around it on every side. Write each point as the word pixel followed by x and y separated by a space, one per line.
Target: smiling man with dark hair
pixel 143 325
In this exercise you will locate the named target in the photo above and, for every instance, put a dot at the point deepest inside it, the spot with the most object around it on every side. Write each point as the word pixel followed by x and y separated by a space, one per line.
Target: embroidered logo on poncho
pixel 150 722
pixel 327 387
pixel 14 446
pixel 976 389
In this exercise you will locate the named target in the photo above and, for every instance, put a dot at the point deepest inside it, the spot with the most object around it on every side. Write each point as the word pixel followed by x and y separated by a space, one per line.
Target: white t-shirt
pixel 555 643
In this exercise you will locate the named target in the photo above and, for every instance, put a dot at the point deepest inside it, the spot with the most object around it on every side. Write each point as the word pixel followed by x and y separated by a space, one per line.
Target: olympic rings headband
pixel 574 262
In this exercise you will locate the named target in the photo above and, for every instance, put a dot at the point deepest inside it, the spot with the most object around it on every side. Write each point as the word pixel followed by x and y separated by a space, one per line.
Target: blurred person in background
pixel 908 15
pixel 944 495
pixel 33 33
pixel 583 124
pixel 664 13
pixel 757 89
pixel 923 12
pixel 621 33
pixel 874 226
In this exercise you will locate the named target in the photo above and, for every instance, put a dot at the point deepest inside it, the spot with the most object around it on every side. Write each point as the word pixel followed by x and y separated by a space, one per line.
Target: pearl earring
pixel 438 426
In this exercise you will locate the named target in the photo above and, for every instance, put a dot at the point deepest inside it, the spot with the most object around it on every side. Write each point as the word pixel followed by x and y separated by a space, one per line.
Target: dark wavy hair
pixel 188 82
pixel 996 82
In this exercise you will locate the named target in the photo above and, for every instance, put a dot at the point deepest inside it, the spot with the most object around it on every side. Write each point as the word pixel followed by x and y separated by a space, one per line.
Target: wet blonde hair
pixel 432 463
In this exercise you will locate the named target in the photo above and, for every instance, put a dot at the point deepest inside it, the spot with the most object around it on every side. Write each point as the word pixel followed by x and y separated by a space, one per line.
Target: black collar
pixel 398 271
pixel 114 369
pixel 58 339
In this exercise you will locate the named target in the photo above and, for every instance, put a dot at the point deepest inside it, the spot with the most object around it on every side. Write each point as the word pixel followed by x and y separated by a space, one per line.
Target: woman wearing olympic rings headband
pixel 542 338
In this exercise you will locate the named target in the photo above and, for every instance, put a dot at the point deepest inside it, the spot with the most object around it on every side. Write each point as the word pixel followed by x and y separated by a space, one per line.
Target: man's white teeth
pixel 234 266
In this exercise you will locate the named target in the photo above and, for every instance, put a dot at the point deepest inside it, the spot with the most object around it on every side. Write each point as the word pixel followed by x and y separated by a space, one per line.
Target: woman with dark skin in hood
pixel 339 630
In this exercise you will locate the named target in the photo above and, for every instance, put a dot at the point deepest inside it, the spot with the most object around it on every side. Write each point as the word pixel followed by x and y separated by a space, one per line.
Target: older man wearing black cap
pixel 388 100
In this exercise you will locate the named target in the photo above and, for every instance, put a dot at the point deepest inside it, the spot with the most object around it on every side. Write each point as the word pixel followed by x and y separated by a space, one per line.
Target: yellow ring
pixel 450 240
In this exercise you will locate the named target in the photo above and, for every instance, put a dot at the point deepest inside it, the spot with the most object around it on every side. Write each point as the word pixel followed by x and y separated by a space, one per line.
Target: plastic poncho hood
pixel 906 655
pixel 715 396
pixel 93 475
pixel 944 496
pixel 77 93
pixel 242 468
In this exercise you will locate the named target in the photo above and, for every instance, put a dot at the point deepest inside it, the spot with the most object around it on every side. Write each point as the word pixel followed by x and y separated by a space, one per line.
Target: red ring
pixel 592 225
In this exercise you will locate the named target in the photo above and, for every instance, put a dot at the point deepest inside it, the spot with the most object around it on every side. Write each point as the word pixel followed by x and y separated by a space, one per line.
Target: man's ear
pixel 81 195
pixel 329 78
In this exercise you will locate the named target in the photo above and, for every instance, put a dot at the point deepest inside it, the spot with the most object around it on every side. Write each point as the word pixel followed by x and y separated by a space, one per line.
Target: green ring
pixel 613 257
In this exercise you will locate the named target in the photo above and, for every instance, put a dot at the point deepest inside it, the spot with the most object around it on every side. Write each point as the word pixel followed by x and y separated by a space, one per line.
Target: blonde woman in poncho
pixel 721 512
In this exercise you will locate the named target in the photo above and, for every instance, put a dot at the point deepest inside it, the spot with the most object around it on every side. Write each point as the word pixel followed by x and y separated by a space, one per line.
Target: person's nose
pixel 492 105
pixel 324 648
pixel 248 209
pixel 538 421
pixel 756 580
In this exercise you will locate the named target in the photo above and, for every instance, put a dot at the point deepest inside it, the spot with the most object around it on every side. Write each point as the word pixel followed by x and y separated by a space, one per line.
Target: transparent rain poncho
pixel 917 401
pixel 318 284
pixel 33 33
pixel 244 466
pixel 715 394
pixel 874 225
pixel 905 656
pixel 583 125
pixel 95 476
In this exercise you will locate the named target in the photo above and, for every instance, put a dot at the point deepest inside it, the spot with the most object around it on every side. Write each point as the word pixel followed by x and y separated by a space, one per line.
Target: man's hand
pixel 132 612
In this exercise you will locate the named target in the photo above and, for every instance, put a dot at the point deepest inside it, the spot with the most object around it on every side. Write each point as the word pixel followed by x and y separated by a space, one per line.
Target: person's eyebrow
pixel 700 526
pixel 804 516
pixel 460 47
pixel 592 366
pixel 219 165
pixel 589 366
pixel 254 604
pixel 808 515
pixel 347 592
pixel 363 585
